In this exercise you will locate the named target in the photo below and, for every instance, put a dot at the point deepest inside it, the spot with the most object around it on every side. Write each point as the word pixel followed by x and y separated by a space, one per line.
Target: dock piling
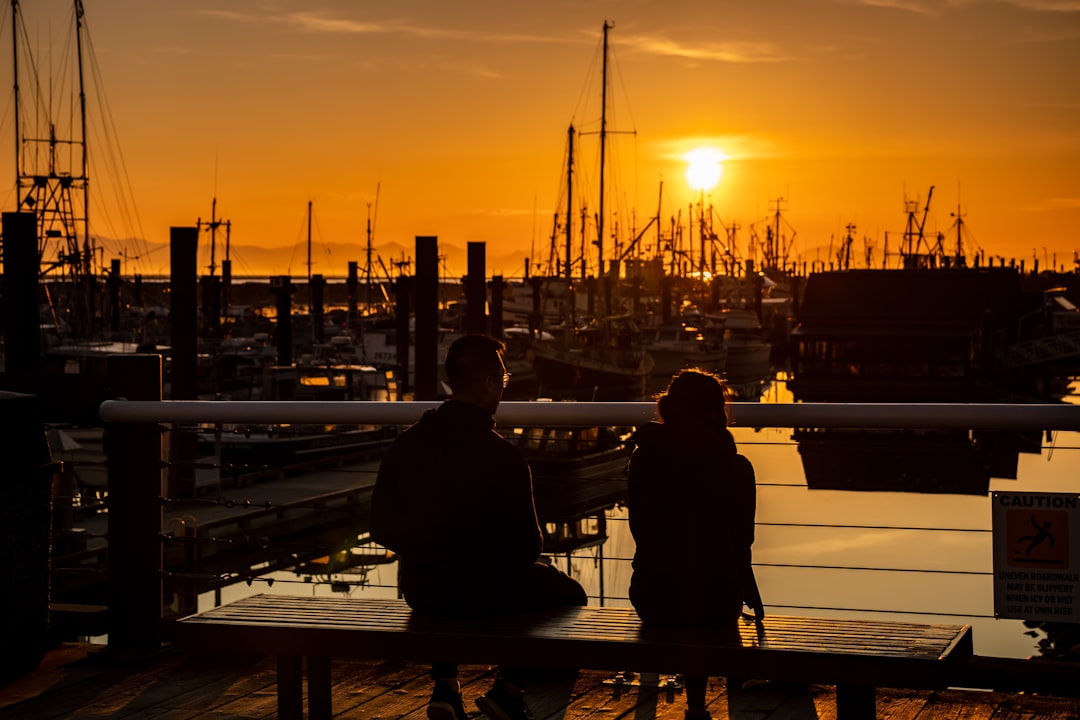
pixel 135 512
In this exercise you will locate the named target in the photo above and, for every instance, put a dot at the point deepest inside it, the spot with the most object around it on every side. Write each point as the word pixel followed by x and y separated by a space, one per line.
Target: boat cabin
pixel 906 335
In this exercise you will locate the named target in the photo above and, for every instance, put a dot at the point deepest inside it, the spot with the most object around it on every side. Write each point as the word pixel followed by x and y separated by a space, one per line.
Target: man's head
pixel 475 370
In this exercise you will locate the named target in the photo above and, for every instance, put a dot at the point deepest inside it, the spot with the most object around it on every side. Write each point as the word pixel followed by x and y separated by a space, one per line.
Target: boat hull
pixel 565 374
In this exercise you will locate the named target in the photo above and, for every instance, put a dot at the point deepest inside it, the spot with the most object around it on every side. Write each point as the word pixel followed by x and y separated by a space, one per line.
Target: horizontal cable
pixel 875 569
pixel 870 527
pixel 882 612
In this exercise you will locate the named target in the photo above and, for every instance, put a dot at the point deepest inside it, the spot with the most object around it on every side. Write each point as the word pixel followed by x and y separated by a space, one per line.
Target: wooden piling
pixel 135 512
pixel 475 290
pixel 426 354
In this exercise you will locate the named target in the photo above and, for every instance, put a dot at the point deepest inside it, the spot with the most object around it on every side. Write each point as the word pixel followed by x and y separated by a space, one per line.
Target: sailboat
pixel 603 359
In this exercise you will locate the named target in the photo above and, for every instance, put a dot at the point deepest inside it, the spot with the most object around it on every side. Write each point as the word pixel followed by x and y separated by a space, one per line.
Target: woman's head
pixel 694 397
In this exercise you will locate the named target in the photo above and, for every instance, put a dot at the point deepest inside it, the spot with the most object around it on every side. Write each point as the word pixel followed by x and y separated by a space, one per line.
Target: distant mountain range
pixel 329 259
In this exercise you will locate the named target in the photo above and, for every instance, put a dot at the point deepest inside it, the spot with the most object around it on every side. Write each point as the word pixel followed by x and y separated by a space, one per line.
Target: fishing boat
pixel 376 347
pixel 747 353
pixel 601 362
pixel 578 473
pixel 538 301
pixel 674 347
pixel 920 334
pixel 229 451
pixel 913 335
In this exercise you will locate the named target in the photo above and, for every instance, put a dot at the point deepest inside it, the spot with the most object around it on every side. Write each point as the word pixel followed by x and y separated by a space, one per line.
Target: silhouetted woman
pixel 691 503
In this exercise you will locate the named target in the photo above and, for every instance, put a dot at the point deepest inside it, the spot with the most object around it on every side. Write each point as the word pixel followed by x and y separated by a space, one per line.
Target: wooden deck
pixel 81 682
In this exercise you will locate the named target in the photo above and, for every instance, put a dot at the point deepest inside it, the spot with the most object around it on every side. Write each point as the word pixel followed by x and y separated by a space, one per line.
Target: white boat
pixel 377 347
pixel 542 301
pixel 602 362
pixel 747 352
pixel 674 347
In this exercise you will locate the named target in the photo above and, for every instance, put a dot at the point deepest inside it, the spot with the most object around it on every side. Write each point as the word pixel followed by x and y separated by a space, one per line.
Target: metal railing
pixel 136 463
pixel 928 416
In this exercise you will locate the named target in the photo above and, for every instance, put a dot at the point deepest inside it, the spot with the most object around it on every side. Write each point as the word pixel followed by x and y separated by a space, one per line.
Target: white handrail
pixel 997 416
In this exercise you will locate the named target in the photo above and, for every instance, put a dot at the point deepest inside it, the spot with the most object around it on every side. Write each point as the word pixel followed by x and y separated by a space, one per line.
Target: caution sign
pixel 1037 556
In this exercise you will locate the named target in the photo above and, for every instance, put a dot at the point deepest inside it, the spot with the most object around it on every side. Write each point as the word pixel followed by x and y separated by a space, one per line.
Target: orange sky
pixel 458 113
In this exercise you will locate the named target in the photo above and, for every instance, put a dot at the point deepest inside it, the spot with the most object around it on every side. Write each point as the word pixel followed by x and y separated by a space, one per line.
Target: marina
pixel 197 447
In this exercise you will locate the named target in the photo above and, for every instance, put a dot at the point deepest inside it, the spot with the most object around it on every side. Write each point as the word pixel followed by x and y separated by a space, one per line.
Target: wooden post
pixel 22 327
pixel 211 305
pixel 113 284
pixel 24 517
pixel 318 312
pixel 183 315
pixel 226 288
pixel 135 514
pixel 667 283
pixel 536 317
pixel 475 291
pixel 403 288
pixel 281 288
pixel 184 326
pixel 497 285
pixel 427 318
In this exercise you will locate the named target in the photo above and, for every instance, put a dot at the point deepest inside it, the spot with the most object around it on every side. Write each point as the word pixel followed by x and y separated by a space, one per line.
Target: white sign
pixel 1037 556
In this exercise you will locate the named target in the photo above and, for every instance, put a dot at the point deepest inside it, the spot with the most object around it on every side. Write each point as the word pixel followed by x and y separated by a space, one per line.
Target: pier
pixel 83 682
pixel 139 646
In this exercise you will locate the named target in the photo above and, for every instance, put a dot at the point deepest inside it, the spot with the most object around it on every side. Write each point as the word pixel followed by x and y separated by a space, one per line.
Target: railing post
pixel 135 513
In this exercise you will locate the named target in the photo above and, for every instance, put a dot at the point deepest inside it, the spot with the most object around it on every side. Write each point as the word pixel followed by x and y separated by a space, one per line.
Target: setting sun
pixel 704 167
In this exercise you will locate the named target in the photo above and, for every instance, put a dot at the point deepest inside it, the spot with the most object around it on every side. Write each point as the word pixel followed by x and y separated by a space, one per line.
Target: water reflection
pixel 923 461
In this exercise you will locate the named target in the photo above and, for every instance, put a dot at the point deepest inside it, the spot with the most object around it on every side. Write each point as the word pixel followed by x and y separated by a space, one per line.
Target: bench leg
pixel 855 702
pixel 318 689
pixel 290 699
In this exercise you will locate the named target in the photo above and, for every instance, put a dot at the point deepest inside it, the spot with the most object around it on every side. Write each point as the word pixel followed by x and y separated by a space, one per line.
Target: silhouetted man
pixel 454 500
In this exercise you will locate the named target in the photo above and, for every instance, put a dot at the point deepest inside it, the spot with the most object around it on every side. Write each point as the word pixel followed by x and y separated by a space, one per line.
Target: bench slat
pixel 826 650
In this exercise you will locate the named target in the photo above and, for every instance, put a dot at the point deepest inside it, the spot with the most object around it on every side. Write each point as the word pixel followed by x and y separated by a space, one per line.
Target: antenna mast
pixel 48 191
pixel 603 153
pixel 569 200
pixel 370 239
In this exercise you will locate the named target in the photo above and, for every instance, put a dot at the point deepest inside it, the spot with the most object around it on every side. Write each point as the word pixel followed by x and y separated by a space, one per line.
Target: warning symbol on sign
pixel 1037 538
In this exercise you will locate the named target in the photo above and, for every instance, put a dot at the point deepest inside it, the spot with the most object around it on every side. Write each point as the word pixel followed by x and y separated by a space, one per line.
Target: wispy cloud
pixel 934 7
pixel 914 6
pixel 1054 205
pixel 501 212
pixel 732 52
pixel 321 22
pixel 1061 6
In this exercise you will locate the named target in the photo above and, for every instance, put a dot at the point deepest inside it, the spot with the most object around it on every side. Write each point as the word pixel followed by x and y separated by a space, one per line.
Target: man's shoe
pixel 504 702
pixel 445 703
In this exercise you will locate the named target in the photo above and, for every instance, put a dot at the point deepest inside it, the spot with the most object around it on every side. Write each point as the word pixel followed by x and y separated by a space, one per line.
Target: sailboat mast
pixel 603 153
pixel 309 243
pixel 370 240
pixel 569 199
pixel 213 236
pixel 85 158
pixel 15 72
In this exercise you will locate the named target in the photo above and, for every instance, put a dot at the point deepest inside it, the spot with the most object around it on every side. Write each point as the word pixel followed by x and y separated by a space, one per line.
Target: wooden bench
pixel 854 655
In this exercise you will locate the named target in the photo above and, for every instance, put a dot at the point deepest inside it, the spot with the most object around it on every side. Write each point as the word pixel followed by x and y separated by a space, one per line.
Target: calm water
pixel 880 555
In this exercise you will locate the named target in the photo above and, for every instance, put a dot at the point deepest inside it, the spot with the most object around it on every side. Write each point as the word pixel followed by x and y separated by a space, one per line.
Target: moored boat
pixel 677 346
pixel 748 355
pixel 601 362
